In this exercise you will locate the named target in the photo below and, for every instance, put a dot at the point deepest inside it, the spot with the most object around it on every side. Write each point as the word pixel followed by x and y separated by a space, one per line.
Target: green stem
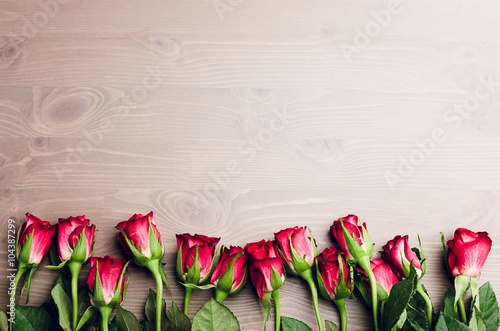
pixel 307 275
pixel 343 315
pixel 461 307
pixel 220 295
pixel 364 263
pixel 154 266
pixel 21 269
pixel 428 303
pixel 277 305
pixel 105 315
pixel 74 268
pixel 187 299
pixel 474 289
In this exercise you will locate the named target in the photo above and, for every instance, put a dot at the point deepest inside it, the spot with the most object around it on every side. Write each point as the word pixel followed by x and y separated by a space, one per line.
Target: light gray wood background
pixel 238 118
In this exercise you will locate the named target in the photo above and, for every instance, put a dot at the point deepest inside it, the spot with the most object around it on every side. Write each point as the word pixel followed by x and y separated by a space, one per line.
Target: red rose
pixel 358 244
pixel 230 274
pixel 468 252
pixel 297 248
pixel 265 266
pixel 69 237
pixel 196 251
pixel 135 238
pixel 397 248
pixel 383 274
pixel 333 274
pixel 110 273
pixel 40 233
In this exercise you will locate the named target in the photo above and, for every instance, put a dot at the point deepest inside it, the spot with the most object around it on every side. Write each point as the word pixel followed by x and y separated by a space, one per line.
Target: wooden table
pixel 236 119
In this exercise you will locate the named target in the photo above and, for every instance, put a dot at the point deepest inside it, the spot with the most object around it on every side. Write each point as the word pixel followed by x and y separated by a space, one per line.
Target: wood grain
pixel 240 118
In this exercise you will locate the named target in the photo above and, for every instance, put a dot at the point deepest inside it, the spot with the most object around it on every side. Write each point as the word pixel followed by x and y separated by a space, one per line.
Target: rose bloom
pixel 136 230
pixel 265 266
pixel 304 246
pixel 186 252
pixel 111 278
pixel 468 252
pixel 393 251
pixel 383 274
pixel 239 272
pixel 356 231
pixel 43 234
pixel 68 235
pixel 333 272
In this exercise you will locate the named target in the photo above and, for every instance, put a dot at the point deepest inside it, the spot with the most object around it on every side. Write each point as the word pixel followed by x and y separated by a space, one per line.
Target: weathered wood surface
pixel 240 118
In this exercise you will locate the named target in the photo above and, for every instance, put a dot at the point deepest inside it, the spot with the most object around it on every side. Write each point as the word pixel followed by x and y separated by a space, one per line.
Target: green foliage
pixel 213 316
pixel 291 324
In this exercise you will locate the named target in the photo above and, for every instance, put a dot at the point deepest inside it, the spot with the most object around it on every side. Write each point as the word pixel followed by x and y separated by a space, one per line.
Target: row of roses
pixel 293 250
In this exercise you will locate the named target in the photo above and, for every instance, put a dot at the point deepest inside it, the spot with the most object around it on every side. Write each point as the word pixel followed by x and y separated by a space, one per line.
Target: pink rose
pixel 40 233
pixel 110 272
pixel 265 266
pixel 70 236
pixel 297 248
pixel 230 274
pixel 196 251
pixel 398 254
pixel 468 252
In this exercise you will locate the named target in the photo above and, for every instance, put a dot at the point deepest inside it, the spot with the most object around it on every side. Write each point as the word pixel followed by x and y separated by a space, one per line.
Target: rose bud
pixel 352 238
pixel 230 275
pixel 398 254
pixel 75 245
pixel 333 273
pixel 32 244
pixel 75 239
pixel 468 252
pixel 265 266
pixel 107 286
pixel 141 239
pixel 195 257
pixel 106 281
pixel 298 250
pixel 35 240
pixel 384 276
pixel 334 279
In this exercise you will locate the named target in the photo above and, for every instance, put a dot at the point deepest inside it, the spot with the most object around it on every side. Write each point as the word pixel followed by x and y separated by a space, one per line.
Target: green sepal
pixel 356 249
pixel 98 297
pixel 225 283
pixel 18 244
pixel 27 281
pixel 198 287
pixel 462 283
pixel 421 256
pixel 178 265
pixel 445 253
pixel 156 249
pixel 79 253
pixel 25 252
pixel 56 267
pixel 343 290
pixel 137 256
pixel 193 274
pixel 266 304
pixel 299 263
pixel 405 265
pixel 276 280
pixel 474 289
